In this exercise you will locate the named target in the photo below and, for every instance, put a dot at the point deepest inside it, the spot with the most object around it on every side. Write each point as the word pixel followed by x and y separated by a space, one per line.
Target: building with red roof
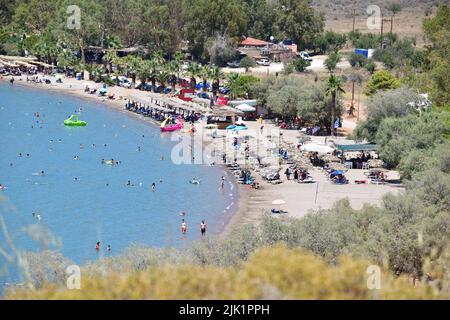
pixel 252 42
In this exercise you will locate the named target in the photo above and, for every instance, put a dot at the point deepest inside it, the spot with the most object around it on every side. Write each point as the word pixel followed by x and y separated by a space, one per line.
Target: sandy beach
pixel 300 199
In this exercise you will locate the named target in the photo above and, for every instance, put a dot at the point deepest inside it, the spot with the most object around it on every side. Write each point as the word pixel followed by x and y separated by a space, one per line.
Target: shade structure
pixel 245 108
pixel 278 202
pixel 103 90
pixel 314 147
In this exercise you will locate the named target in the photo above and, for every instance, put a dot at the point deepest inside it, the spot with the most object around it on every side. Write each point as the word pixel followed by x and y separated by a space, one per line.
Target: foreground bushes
pixel 270 273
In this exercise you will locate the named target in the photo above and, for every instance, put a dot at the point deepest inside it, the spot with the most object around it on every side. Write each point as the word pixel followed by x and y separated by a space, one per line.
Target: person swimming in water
pixel 97 246
pixel 183 227
pixel 42 173
pixel 195 181
pixel 108 248
pixel 36 216
pixel 2 187
pixel 183 213
pixel 153 187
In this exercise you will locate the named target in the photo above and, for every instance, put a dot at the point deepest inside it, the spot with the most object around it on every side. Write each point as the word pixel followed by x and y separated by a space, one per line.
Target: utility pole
pixel 354 13
pixel 381 36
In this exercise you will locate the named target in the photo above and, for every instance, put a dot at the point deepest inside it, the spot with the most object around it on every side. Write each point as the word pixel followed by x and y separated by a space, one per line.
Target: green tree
pixel 204 19
pixel 331 62
pixel 193 71
pixel 437 31
pixel 216 75
pixel 241 86
pixel 297 20
pixel 300 65
pixel 205 74
pixel 246 63
pixel 397 136
pixel 381 80
pixel 357 60
pixel 394 103
pixel 333 89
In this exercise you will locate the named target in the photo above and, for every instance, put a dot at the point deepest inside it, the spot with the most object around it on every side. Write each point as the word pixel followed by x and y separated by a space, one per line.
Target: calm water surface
pixel 98 206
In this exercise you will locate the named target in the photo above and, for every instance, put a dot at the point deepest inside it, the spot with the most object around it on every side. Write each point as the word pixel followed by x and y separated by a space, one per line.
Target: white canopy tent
pixel 246 108
pixel 314 147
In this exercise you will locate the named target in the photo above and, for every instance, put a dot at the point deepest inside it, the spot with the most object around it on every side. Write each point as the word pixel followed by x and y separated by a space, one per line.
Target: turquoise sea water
pixel 98 206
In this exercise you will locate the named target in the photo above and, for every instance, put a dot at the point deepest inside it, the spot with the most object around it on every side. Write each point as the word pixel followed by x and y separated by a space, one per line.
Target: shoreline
pixel 226 224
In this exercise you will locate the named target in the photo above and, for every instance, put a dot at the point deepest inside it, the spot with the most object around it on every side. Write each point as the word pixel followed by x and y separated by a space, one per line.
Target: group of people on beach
pixel 159 110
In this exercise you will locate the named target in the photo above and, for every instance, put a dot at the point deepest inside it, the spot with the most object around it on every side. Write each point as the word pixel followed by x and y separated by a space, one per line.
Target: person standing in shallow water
pixel 97 246
pixel 203 228
pixel 183 227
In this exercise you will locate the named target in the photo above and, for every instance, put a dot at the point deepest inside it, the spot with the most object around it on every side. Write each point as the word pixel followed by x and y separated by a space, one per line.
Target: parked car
pixel 305 56
pixel 263 62
pixel 233 64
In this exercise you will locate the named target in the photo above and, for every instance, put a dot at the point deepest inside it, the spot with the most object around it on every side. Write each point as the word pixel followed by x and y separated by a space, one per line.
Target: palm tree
pixel 216 75
pixel 193 71
pixel 133 64
pixel 173 69
pixel 333 88
pixel 163 76
pixel 233 80
pixel 204 73
pixel 66 59
pixel 158 57
pixel 153 68
pixel 109 58
pixel 394 8
pixel 144 71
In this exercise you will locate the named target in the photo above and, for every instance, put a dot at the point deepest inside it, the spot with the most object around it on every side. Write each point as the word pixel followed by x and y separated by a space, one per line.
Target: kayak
pixel 74 121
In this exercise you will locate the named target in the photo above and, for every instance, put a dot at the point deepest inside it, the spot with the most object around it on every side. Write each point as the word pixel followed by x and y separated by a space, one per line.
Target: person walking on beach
pixel 183 227
pixel 296 174
pixel 203 228
pixel 288 174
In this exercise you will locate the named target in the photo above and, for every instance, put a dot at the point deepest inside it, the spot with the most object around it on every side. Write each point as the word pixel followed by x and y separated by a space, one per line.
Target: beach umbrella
pixel 230 127
pixel 278 202
pixel 103 90
pixel 338 172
